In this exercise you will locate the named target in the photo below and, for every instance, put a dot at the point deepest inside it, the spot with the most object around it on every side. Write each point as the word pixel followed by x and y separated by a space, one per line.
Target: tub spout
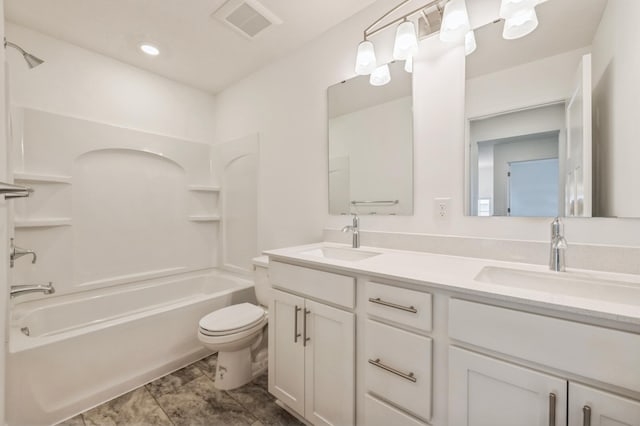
pixel 17 290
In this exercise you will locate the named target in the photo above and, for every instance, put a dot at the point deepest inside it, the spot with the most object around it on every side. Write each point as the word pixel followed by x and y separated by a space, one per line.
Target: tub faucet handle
pixel 17 252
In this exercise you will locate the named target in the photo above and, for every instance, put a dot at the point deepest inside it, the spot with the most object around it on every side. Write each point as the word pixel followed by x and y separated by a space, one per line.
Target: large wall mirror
pixel 371 145
pixel 552 118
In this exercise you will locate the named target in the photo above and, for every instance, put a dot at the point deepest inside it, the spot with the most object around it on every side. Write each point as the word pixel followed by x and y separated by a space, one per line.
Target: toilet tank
pixel 261 280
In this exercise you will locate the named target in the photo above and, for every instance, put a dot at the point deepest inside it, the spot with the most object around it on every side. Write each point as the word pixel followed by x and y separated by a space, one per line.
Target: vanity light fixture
pixel 455 22
pixel 405 45
pixel 520 18
pixel 380 76
pixel 408 64
pixel 470 45
pixel 366 58
pixel 149 49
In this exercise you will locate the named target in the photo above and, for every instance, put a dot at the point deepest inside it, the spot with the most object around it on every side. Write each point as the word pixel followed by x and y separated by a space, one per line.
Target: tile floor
pixel 188 397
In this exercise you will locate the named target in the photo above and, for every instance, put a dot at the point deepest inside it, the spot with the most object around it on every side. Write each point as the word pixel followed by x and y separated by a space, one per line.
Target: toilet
pixel 239 334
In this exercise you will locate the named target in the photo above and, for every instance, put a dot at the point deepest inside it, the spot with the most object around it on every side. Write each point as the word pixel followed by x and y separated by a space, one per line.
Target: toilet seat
pixel 234 319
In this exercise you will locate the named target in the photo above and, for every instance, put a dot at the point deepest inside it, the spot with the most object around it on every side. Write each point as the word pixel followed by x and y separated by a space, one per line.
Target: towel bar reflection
pixel 10 190
pixel 380 203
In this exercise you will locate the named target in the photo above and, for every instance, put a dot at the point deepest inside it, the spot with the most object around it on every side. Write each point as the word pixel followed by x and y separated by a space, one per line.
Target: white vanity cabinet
pixel 312 346
pixel 397 354
pixel 594 407
pixel 484 390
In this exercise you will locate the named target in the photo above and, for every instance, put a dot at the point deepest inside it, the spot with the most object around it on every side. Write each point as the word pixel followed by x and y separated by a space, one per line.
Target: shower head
pixel 32 60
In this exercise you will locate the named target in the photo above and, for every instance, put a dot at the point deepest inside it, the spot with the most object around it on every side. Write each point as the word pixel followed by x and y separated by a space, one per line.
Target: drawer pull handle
pixel 295 324
pixel 378 364
pixel 379 301
pixel 586 415
pixel 552 409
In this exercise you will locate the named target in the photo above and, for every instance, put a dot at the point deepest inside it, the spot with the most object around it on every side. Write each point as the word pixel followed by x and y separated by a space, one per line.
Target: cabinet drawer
pixel 378 413
pixel 599 353
pixel 407 307
pixel 399 367
pixel 327 286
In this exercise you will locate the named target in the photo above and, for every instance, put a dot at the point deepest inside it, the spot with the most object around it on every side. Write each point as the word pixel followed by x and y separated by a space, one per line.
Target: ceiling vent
pixel 247 17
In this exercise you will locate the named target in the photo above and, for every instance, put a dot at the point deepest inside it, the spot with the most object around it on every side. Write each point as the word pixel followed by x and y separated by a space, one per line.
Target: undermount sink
pixel 564 283
pixel 339 253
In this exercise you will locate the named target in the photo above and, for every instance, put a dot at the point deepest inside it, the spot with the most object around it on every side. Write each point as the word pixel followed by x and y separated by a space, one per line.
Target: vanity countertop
pixel 459 274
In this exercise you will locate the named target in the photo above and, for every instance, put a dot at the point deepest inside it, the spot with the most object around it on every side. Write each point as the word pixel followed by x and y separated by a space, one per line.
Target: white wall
pixel 79 83
pixel 616 102
pixel 286 103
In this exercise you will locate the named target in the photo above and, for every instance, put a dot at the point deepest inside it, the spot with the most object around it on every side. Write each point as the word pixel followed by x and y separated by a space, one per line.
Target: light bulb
pixel 380 76
pixel 470 43
pixel 455 22
pixel 510 7
pixel 365 58
pixel 406 41
pixel 408 64
pixel 150 49
pixel 520 24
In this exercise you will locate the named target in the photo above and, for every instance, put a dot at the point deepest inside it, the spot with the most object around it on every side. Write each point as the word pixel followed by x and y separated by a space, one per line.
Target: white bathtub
pixel 84 349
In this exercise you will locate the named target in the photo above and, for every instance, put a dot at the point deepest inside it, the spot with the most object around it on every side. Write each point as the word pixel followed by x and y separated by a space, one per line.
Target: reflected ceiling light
pixel 520 24
pixel 365 58
pixel 455 22
pixel 406 43
pixel 32 60
pixel 470 43
pixel 510 7
pixel 380 76
pixel 408 64
pixel 404 47
pixel 149 49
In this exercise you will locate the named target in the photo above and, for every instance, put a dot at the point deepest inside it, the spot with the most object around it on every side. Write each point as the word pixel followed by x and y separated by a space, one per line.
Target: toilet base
pixel 238 368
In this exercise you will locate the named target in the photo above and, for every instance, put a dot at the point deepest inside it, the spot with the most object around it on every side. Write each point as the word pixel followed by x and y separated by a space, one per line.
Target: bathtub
pixel 72 352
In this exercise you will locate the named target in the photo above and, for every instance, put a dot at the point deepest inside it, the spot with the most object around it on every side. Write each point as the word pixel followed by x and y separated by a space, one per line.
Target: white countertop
pixel 457 274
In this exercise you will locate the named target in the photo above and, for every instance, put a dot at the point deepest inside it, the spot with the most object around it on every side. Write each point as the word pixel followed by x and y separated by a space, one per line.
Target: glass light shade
pixel 408 64
pixel 455 22
pixel 406 41
pixel 470 43
pixel 508 8
pixel 520 24
pixel 380 76
pixel 365 58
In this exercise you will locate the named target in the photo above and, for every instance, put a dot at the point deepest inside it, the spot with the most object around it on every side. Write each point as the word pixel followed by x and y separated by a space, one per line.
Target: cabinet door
pixel 286 352
pixel 329 365
pixel 484 391
pixel 588 406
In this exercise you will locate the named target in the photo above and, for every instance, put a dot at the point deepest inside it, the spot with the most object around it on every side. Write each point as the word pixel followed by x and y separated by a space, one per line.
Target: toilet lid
pixel 232 318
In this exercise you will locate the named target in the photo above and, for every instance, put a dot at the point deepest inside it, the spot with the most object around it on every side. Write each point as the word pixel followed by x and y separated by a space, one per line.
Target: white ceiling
pixel 197 49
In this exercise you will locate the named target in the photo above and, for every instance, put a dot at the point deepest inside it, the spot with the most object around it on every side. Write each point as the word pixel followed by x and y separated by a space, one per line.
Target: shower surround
pixel 126 225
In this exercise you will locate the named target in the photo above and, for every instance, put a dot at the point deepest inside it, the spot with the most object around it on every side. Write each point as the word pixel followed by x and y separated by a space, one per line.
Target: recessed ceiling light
pixel 149 49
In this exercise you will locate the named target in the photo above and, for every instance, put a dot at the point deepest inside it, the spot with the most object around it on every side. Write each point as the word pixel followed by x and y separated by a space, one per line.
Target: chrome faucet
pixel 355 228
pixel 558 247
pixel 17 290
pixel 16 252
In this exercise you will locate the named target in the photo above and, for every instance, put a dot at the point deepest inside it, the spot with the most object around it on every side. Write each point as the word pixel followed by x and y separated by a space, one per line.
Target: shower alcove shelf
pixel 49 204
pixel 203 203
